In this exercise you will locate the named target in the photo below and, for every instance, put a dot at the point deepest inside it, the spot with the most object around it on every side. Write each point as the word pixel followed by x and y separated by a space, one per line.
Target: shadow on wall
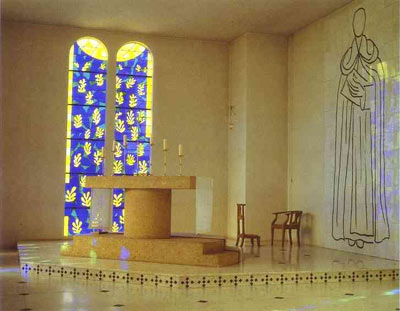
pixel 307 225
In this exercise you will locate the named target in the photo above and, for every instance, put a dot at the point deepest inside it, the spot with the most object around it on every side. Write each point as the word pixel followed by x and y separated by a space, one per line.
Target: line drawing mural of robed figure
pixel 359 213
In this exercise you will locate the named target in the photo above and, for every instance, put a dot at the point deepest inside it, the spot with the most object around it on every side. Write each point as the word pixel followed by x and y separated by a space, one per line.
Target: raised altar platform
pixel 147 235
pixel 174 250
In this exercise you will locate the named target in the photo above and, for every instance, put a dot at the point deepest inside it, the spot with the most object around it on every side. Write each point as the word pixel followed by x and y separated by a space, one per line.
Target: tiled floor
pixel 47 294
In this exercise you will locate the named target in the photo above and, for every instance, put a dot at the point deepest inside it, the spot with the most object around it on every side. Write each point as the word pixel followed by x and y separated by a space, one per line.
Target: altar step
pixel 175 250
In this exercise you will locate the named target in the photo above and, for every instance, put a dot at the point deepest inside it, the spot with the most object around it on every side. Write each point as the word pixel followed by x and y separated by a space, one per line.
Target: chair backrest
pixel 240 218
pixel 294 217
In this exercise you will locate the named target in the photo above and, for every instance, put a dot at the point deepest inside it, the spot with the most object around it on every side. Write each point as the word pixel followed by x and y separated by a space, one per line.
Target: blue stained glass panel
pixel 132 123
pixel 78 221
pixel 137 66
pixel 85 130
pixel 86 161
pixel 84 62
pixel 133 116
pixel 132 91
pixel 86 120
pixel 118 220
pixel 88 88
pixel 75 192
pixel 118 199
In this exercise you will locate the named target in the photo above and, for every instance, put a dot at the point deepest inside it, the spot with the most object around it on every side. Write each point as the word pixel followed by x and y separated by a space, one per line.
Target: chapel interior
pixel 199 155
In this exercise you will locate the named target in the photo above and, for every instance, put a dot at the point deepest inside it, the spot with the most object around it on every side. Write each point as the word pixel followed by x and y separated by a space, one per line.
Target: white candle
pixel 180 150
pixel 124 139
pixel 102 152
pixel 114 146
pixel 164 144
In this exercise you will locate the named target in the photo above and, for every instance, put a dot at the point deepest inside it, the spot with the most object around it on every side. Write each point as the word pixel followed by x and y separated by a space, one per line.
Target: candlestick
pixel 114 146
pixel 165 161
pixel 180 150
pixel 165 147
pixel 180 164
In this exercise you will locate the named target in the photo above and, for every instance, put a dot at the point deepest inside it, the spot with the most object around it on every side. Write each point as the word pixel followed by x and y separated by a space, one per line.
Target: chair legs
pixel 237 241
pixel 258 241
pixel 272 236
pixel 298 237
pixel 241 244
pixel 290 236
pixel 283 237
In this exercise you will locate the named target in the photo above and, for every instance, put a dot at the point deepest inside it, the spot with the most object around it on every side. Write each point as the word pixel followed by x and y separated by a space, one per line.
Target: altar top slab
pixel 142 182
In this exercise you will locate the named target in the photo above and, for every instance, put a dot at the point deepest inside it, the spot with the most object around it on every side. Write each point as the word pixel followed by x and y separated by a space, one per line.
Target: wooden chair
pixel 292 222
pixel 241 233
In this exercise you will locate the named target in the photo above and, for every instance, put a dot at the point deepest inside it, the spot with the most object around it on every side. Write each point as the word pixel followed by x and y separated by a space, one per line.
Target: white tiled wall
pixel 314 57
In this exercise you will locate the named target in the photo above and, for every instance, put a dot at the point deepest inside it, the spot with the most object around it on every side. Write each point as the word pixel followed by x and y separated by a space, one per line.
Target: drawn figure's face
pixel 359 22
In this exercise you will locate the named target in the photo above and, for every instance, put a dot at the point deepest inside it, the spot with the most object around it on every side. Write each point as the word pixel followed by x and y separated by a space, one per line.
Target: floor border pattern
pixel 208 280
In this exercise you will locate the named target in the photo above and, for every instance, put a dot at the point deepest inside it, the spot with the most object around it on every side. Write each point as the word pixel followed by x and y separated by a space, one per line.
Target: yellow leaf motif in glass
pixel 117 115
pixel 130 117
pixel 118 82
pixel 87 148
pixel 70 195
pixel 130 159
pixel 82 180
pixel 76 65
pixel 77 159
pixel 102 66
pixel 87 66
pixel 122 217
pixel 134 133
pixel 117 167
pixel 132 101
pixel 115 227
pixel 89 98
pixel 120 125
pixel 119 97
pixel 77 226
pixel 130 82
pixel 120 67
pixel 82 86
pixel 141 89
pixel 140 150
pixel 141 116
pixel 98 157
pixel 96 117
pixel 86 199
pixel 99 132
pixel 138 68
pixel 78 121
pixel 87 134
pixel 118 199
pixel 118 150
pixel 99 79
pixel 142 167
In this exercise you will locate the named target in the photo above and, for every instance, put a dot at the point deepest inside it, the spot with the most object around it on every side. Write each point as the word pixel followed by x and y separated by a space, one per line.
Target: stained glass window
pixel 85 129
pixel 133 119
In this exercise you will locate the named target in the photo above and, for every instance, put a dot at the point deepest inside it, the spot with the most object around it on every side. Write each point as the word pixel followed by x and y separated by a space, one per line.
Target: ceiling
pixel 221 20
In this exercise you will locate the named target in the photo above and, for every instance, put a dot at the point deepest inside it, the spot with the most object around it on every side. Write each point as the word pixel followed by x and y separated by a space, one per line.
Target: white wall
pixel 315 53
pixel 257 143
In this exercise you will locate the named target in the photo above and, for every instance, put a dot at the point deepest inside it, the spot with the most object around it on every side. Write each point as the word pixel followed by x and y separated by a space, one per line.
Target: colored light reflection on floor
pixel 6 270
pixel 392 292
pixel 124 253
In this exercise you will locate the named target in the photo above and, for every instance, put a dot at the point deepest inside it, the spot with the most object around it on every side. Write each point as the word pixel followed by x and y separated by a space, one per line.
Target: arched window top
pixel 88 54
pixel 135 58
